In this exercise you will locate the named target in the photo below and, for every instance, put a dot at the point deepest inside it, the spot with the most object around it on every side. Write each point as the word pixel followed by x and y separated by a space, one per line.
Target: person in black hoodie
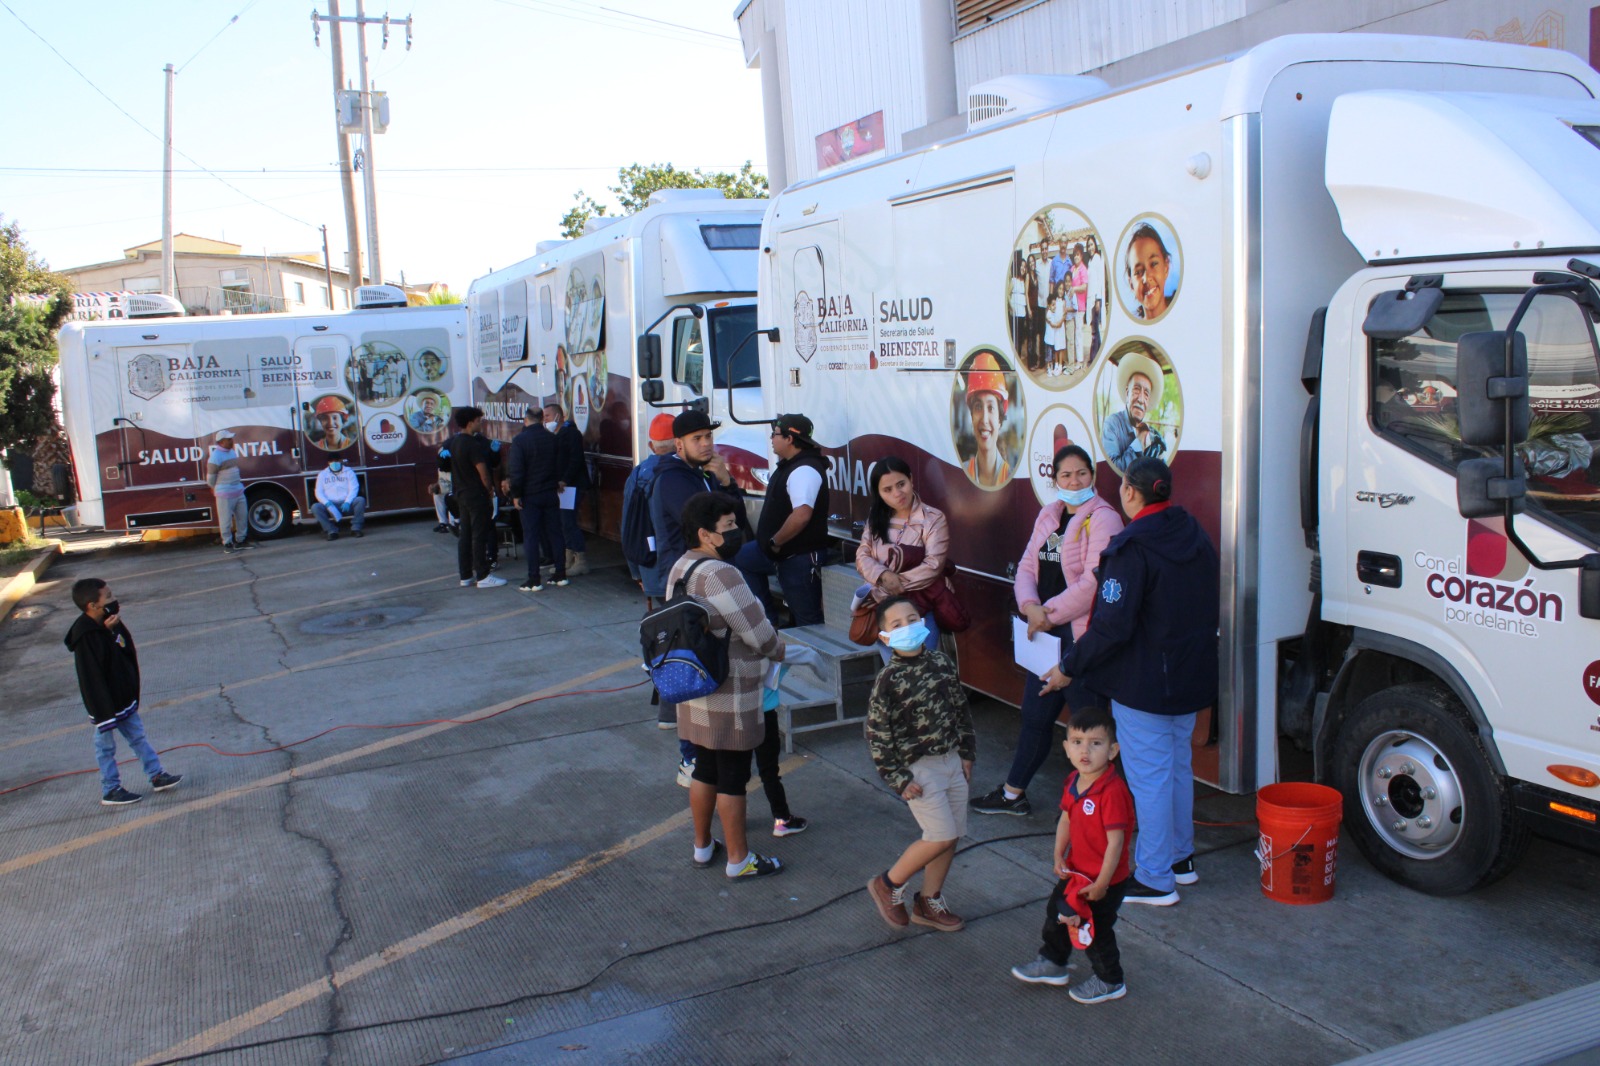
pixel 573 466
pixel 1151 648
pixel 532 481
pixel 108 677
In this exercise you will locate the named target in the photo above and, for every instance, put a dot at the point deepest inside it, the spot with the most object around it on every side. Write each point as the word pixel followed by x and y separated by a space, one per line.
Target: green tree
pixel 27 339
pixel 636 182
pixel 443 297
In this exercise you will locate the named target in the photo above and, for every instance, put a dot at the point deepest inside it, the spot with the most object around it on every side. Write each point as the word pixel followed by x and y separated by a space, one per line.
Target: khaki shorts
pixel 941 810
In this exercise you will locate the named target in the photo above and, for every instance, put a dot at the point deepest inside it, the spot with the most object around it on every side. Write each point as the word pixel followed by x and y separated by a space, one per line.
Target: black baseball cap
pixel 692 422
pixel 797 426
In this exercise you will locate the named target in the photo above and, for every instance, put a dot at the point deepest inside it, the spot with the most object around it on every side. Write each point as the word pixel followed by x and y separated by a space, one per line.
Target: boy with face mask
pixel 108 678
pixel 920 737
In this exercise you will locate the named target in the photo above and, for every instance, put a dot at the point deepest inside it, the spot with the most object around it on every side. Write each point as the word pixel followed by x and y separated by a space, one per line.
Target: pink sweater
pixel 928 528
pixel 1080 554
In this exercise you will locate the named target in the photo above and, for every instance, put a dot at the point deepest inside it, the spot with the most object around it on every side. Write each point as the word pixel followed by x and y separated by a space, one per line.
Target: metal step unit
pixel 1561 1029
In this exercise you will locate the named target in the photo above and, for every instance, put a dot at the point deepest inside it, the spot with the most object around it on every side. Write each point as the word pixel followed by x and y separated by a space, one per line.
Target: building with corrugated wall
pixel 848 80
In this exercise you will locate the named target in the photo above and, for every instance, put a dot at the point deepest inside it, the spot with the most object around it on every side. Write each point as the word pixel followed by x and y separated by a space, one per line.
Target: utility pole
pixel 352 228
pixel 169 272
pixel 368 172
pixel 327 267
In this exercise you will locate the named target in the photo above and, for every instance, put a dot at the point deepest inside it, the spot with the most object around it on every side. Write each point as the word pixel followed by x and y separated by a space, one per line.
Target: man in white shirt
pixel 339 494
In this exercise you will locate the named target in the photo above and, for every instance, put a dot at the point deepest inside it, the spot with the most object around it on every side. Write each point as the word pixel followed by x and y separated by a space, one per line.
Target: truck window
pixel 547 314
pixel 729 328
pixel 731 238
pixel 688 354
pixel 1413 398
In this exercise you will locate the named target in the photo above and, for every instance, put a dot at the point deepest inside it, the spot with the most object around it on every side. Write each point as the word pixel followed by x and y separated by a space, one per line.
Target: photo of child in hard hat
pixel 329 422
pixel 987 419
pixel 1138 405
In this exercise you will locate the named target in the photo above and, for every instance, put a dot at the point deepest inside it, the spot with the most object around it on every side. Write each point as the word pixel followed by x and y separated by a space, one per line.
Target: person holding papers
pixel 1055 588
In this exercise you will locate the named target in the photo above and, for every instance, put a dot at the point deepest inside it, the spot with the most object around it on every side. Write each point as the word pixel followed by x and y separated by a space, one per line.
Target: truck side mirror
pixel 1482 488
pixel 1485 390
pixel 649 356
pixel 651 390
pixel 1589 587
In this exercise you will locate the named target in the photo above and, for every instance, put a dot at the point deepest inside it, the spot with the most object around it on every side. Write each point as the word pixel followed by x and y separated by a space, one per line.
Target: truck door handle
pixel 1378 568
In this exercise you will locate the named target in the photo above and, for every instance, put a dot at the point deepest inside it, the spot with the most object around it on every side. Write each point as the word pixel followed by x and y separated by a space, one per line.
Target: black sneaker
pixel 354 533
pixel 227 549
pixel 529 586
pixel 1139 892
pixel 1183 871
pixel 997 803
pixel 163 781
pixel 788 827
pixel 119 797
pixel 333 536
pixel 757 866
pixel 247 544
pixel 441 528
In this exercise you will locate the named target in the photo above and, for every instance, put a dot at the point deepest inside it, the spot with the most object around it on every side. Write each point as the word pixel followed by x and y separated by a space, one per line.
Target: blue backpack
pixel 638 532
pixel 686 660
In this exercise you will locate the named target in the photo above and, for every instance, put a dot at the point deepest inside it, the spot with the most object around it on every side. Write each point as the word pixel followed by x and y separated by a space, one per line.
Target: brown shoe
pixel 891 902
pixel 933 913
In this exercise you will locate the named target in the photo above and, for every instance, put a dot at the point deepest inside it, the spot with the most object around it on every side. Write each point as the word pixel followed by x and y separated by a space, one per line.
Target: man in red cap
pixel 635 492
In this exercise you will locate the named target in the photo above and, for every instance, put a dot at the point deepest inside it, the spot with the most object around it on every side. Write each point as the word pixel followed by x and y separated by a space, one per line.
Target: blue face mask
pixel 908 638
pixel 336 466
pixel 1075 498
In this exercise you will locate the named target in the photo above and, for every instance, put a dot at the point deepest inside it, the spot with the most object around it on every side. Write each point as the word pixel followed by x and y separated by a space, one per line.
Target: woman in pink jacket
pixel 898 520
pixel 1055 588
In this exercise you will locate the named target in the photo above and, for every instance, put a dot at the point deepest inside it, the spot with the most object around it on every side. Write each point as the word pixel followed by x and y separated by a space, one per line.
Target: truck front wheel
pixel 1421 799
pixel 271 511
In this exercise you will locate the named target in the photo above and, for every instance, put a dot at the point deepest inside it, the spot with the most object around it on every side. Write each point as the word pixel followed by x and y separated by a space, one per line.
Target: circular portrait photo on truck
pixel 1138 404
pixel 1056 297
pixel 1149 268
pixel 329 422
pixel 1055 428
pixel 378 373
pixel 428 411
pixel 430 364
pixel 987 421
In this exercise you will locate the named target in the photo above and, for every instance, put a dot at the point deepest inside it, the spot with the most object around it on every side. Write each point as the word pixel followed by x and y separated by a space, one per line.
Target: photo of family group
pixel 1056 297
pixel 1138 404
pixel 1150 268
pixel 584 311
pixel 378 373
pixel 987 420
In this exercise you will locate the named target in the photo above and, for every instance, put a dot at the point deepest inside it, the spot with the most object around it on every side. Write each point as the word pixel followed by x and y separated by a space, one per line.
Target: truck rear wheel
pixel 271 511
pixel 1421 799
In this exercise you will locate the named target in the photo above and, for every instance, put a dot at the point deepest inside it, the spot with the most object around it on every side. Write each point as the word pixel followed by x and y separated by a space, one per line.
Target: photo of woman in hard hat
pixel 986 418
pixel 329 422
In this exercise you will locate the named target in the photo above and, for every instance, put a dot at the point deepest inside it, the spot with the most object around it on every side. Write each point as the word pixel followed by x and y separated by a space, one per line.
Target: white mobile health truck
pixel 1138 271
pixel 563 324
pixel 142 400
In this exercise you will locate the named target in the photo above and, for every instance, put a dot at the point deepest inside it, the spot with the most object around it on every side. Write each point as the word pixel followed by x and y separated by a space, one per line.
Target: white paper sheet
pixel 1037 656
pixel 568 497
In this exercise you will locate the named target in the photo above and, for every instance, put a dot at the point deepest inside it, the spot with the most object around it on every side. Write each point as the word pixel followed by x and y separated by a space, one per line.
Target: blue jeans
pixel 105 751
pixel 799 577
pixel 1159 766
pixel 569 526
pixel 356 509
pixel 1037 734
pixel 541 525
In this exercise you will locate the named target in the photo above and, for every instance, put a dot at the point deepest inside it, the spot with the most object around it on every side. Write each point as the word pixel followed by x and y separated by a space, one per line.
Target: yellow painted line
pixel 67 847
pixel 351 561
pixel 209 629
pixel 242 621
pixel 432 936
pixel 233 686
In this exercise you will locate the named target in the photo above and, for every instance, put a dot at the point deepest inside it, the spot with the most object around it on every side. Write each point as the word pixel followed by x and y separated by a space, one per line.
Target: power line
pixel 141 125
pixel 595 17
pixel 273 172
pixel 675 25
pixel 219 33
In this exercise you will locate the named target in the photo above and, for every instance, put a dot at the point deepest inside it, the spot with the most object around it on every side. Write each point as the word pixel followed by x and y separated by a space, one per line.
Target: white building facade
pixel 848 80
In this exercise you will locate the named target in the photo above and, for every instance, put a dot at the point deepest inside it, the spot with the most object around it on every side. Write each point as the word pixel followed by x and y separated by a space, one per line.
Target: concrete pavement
pixel 517 890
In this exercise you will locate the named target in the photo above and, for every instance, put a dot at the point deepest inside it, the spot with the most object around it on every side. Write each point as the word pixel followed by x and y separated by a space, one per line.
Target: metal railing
pixel 213 300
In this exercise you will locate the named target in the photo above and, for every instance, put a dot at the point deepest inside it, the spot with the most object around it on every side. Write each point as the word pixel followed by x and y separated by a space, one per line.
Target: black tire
pixel 1421 799
pixel 271 511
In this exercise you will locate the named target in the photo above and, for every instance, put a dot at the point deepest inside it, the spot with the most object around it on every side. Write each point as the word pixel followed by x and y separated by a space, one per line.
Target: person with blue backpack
pixel 726 724
pixel 638 532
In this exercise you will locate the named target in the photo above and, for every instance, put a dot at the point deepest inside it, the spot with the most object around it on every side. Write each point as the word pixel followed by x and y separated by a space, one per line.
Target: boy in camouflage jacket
pixel 919 734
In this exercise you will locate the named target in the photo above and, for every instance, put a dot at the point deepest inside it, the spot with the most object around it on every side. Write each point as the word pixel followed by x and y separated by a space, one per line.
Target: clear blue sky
pixel 500 112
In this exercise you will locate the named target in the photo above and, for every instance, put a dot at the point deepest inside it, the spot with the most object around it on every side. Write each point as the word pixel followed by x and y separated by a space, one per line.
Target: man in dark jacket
pixel 574 471
pixel 108 678
pixel 533 477
pixel 793 530
pixel 473 487
pixel 1151 648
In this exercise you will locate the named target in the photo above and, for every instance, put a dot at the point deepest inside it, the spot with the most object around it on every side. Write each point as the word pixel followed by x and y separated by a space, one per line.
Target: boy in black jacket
pixel 108 677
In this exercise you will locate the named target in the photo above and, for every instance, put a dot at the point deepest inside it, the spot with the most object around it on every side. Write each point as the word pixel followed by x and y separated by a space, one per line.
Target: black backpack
pixel 638 531
pixel 685 659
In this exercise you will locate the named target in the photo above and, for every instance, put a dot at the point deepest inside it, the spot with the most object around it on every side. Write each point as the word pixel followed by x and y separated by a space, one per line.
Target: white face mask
pixel 552 426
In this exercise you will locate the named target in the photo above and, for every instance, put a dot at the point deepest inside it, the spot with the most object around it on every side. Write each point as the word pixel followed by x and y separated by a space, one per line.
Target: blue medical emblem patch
pixel 1111 591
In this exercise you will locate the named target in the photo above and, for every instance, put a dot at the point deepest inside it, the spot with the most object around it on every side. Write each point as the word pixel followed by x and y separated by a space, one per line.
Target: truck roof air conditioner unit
pixel 373 296
pixel 154 305
pixel 599 222
pixel 1002 99
pixel 678 196
pixel 545 246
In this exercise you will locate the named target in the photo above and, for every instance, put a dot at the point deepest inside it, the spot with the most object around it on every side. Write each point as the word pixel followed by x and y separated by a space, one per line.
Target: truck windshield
pixel 729 327
pixel 1413 398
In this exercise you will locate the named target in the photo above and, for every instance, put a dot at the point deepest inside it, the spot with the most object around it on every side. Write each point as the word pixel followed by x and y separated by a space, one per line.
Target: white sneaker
pixel 467 582
pixel 685 772
pixel 491 582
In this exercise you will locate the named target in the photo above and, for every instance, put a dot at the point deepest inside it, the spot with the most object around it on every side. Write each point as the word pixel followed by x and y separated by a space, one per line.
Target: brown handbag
pixel 864 624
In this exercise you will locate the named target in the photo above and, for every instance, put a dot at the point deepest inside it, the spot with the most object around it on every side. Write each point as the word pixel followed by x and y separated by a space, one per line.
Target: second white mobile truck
pixel 1138 270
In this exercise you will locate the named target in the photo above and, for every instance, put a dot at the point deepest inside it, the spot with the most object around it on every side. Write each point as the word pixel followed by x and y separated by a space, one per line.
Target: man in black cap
pixel 695 467
pixel 793 531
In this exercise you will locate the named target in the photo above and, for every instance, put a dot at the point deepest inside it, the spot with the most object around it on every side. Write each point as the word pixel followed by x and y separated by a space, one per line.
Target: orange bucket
pixel 1299 847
